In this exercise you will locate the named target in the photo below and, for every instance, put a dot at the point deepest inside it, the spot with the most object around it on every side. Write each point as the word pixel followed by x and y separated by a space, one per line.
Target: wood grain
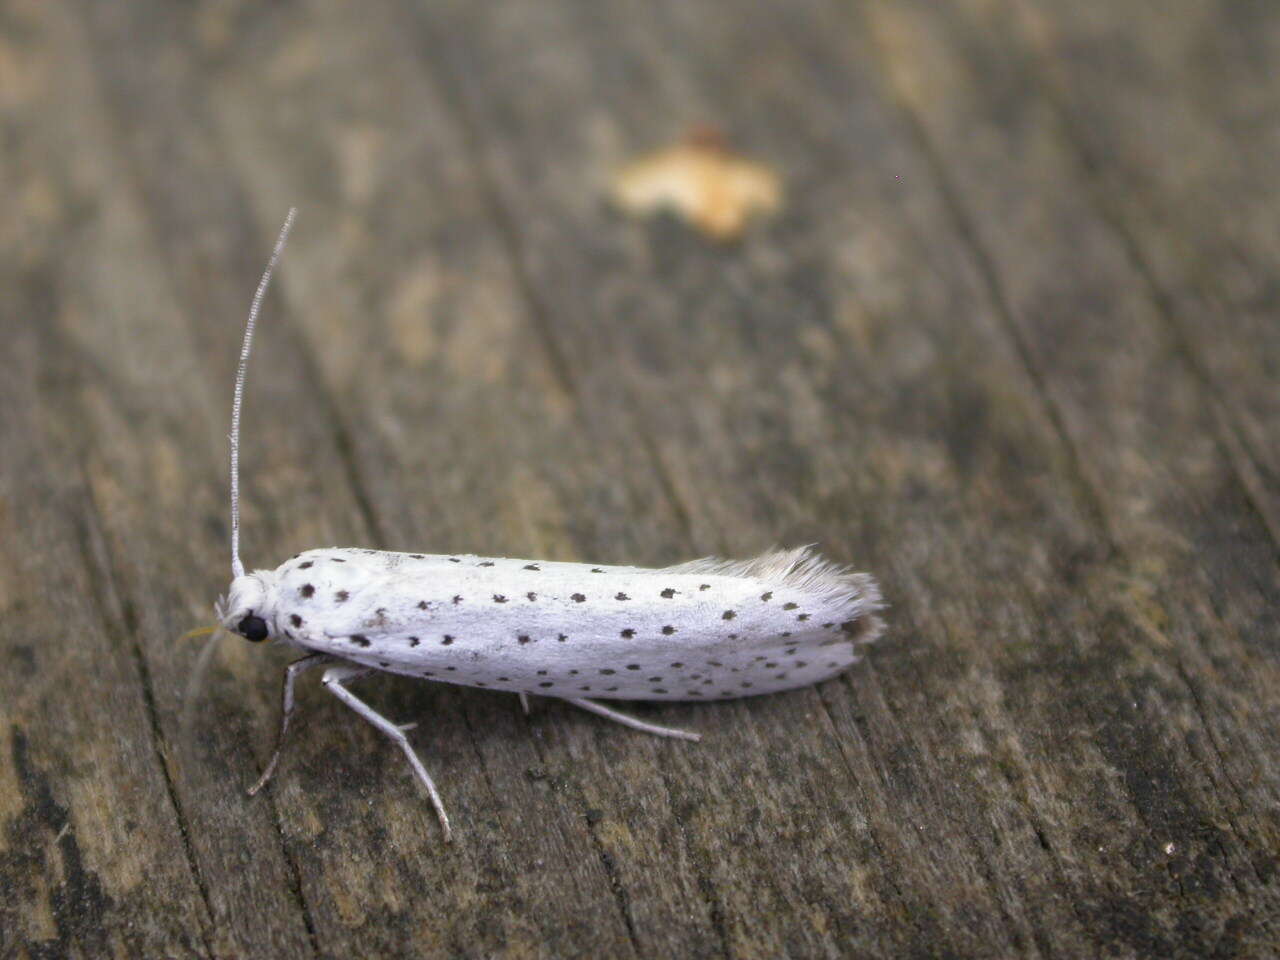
pixel 1010 345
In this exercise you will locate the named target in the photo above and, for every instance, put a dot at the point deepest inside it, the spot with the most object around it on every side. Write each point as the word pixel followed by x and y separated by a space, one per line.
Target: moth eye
pixel 253 629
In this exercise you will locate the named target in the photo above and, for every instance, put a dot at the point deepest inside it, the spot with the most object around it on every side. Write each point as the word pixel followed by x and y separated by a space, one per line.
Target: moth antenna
pixel 195 683
pixel 237 568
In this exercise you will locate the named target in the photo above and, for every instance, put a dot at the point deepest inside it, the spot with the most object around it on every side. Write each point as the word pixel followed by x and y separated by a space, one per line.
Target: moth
pixel 706 630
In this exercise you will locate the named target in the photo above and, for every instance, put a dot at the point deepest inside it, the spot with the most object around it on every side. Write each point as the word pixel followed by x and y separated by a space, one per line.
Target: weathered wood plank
pixel 456 466
pixel 349 885
pixel 1121 388
pixel 1173 118
pixel 960 358
pixel 695 295
pixel 99 858
pixel 1183 700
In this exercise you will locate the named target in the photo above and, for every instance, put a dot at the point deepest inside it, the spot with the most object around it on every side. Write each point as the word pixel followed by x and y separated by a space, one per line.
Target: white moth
pixel 705 630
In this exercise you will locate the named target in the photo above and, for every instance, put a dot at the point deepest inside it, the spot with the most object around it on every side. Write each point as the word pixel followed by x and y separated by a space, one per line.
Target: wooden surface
pixel 1012 346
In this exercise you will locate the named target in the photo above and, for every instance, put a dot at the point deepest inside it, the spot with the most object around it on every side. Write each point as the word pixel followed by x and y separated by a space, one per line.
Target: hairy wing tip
pixel 804 568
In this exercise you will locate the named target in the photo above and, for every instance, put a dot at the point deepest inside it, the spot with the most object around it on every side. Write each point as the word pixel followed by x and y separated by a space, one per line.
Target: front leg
pixel 291 674
pixel 333 681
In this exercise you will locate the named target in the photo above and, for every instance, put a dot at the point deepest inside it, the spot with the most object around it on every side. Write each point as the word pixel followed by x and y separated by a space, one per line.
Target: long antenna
pixel 237 568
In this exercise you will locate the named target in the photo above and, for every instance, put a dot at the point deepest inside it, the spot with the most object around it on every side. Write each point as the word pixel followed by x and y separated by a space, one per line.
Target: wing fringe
pixel 805 570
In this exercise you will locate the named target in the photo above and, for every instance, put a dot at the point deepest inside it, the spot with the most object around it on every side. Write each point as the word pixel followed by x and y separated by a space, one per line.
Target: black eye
pixel 253 628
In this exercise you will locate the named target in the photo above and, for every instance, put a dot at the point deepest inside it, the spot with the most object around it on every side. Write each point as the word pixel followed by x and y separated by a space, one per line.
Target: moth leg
pixel 291 674
pixel 524 703
pixel 333 680
pixel 633 722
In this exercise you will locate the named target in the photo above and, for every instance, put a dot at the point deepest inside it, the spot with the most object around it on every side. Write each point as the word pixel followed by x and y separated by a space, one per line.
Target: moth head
pixel 249 609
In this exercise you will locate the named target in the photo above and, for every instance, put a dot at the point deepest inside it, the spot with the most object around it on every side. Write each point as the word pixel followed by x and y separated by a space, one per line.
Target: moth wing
pixel 329 598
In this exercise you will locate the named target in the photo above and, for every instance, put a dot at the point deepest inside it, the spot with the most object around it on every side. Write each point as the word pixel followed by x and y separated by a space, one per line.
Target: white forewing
pixel 709 629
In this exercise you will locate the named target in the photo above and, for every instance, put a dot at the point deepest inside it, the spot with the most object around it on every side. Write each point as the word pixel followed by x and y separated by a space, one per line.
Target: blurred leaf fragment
pixel 703 182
